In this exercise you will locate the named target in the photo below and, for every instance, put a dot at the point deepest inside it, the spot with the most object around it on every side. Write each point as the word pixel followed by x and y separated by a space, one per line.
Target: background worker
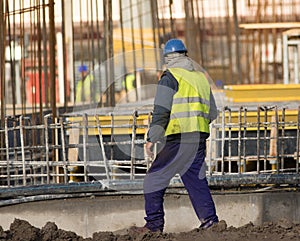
pixel 85 89
pixel 129 84
pixel 183 109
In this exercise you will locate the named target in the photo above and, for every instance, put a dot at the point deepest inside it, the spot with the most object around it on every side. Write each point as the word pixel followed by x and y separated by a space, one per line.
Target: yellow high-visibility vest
pixel 129 82
pixel 83 90
pixel 191 103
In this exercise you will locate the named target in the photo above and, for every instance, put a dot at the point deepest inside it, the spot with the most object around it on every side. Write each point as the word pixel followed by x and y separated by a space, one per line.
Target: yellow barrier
pixel 262 93
pixel 121 124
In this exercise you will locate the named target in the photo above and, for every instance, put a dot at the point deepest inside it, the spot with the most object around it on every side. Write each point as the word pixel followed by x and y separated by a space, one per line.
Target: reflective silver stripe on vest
pixel 185 100
pixel 189 114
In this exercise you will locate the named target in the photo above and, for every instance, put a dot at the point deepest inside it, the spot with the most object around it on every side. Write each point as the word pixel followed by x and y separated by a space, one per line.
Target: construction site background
pixel 249 48
pixel 237 42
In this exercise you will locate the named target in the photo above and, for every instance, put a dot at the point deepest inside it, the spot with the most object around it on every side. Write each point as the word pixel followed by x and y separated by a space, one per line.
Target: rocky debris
pixel 283 230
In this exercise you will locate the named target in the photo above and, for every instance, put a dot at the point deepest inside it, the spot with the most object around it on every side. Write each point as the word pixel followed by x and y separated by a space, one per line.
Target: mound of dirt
pixel 282 230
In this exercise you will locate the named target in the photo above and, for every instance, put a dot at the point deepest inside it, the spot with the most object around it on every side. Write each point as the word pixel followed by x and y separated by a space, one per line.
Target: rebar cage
pixel 110 147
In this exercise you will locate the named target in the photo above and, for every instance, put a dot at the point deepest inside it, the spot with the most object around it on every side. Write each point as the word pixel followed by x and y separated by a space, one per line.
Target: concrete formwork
pixel 111 213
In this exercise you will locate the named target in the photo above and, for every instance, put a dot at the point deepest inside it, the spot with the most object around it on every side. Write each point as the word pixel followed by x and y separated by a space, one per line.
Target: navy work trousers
pixel 188 160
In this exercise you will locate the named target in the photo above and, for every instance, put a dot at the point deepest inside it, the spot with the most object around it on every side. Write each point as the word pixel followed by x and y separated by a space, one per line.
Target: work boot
pixel 138 230
pixel 207 224
pixel 141 230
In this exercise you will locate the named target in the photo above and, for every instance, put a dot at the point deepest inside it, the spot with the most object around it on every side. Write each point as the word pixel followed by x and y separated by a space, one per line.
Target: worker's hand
pixel 149 151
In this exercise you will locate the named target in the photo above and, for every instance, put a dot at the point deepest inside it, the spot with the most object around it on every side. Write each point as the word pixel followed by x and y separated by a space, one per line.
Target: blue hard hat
pixel 174 45
pixel 82 68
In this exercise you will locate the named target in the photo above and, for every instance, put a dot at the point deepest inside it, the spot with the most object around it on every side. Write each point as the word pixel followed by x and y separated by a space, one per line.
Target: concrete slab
pixel 111 213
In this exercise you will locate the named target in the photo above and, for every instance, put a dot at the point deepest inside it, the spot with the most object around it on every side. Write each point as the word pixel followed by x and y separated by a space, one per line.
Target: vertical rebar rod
pixel 110 98
pixel 162 21
pixel 15 140
pixel 99 59
pixel 23 53
pixel 258 140
pixel 85 147
pixel 298 142
pixel 133 138
pixel 45 57
pixel 2 65
pixel 39 59
pixel 274 41
pixel 204 49
pixel 200 30
pixel 52 67
pixel 73 84
pixel 172 22
pixel 123 45
pixel 7 152
pixel 89 40
pixel 265 136
pixel 112 135
pixel 102 147
pixel 21 125
pixel 239 138
pixel 282 138
pixel 223 141
pixel 11 58
pixel 34 84
pixel 221 42
pixel 64 52
pixel 229 140
pixel 244 140
pixel 141 27
pixel 277 138
pixel 155 29
pixel 133 46
pixel 63 149
pixel 47 149
pixel 81 51
pixel 266 64
pixel 237 42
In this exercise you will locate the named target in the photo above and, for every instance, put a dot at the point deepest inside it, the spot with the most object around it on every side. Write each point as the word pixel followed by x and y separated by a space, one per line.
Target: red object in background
pixel 33 88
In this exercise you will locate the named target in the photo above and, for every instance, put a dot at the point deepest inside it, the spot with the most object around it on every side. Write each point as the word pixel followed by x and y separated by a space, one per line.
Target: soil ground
pixel 283 230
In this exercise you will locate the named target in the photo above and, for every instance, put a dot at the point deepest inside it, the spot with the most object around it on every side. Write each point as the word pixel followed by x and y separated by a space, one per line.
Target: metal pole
pixel 109 52
pixel 2 64
pixel 85 146
pixel 47 149
pixel 45 56
pixel 223 141
pixel 64 53
pixel 132 161
pixel 298 142
pixel 102 148
pixel 239 138
pixel 258 140
pixel 237 42
pixel 23 149
pixel 7 153
pixel 52 67
pixel 63 146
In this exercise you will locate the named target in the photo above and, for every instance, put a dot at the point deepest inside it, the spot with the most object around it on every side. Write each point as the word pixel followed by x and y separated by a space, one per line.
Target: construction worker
pixel 85 91
pixel 183 109
pixel 129 84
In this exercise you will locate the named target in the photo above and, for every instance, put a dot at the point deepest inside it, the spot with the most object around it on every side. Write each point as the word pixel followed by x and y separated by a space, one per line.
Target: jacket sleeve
pixel 213 111
pixel 166 88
